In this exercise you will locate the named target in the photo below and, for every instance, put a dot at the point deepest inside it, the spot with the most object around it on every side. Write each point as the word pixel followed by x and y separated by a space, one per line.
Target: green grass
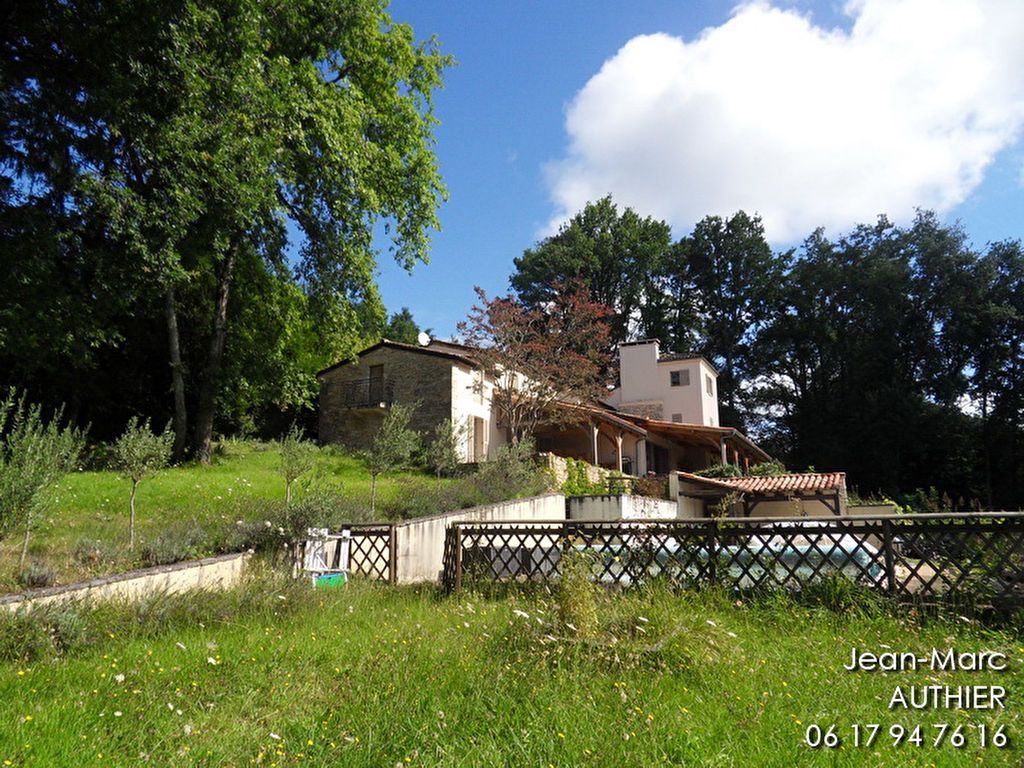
pixel 94 505
pixel 375 676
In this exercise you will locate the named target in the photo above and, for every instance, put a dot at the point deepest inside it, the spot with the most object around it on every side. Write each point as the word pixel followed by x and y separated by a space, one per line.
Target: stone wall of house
pixel 417 378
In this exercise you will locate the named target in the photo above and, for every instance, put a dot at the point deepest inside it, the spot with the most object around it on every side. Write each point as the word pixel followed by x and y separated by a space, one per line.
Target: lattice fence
pixel 979 557
pixel 371 552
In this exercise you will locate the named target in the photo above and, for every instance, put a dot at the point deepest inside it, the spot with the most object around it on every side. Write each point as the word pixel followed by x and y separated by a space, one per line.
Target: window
pixel 710 385
pixel 679 378
pixel 677 418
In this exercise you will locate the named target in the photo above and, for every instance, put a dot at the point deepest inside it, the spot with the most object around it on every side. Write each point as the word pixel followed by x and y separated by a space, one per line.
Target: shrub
pixel 34 455
pixel 95 553
pixel 577 482
pixel 35 575
pixel 719 470
pixel 442 453
pixel 768 468
pixel 513 473
pixel 175 544
pixel 654 487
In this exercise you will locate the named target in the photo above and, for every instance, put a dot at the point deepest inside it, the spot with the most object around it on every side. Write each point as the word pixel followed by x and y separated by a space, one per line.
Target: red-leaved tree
pixel 545 362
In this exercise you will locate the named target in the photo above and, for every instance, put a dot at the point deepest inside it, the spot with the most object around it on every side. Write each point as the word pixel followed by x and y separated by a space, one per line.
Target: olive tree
pixel 35 453
pixel 393 447
pixel 298 455
pixel 140 453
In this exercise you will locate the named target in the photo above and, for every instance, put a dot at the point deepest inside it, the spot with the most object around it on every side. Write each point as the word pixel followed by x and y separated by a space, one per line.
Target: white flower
pixel 521 614
pixel 731 634
pixel 117 713
pixel 275 736
pixel 709 621
pixel 119 678
pixel 644 619
pixel 187 729
pixel 211 660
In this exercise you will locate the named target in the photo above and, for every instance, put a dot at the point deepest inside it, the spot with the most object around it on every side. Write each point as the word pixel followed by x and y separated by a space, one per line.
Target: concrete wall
pixel 646 387
pixel 624 507
pixel 420 543
pixel 209 573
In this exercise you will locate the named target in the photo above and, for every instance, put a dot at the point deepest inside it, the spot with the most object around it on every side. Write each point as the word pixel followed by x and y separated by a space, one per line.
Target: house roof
pixel 772 485
pixel 709 437
pixel 455 352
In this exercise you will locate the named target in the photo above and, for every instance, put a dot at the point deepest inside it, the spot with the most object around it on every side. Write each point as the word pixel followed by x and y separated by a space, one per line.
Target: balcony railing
pixel 367 393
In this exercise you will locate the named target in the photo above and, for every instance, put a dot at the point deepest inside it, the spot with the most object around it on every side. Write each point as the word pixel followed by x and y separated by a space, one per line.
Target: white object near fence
pixel 326 556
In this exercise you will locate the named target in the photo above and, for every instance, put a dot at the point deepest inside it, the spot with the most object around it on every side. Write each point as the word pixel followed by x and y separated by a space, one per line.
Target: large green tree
pixel 720 282
pixel 178 141
pixel 615 254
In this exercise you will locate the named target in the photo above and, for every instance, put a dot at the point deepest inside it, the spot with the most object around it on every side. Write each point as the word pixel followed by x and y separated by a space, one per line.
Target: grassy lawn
pixel 93 506
pixel 375 676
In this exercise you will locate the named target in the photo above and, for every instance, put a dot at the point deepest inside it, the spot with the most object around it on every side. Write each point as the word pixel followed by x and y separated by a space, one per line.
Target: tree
pixel 35 454
pixel 442 452
pixel 139 454
pixel 401 327
pixel 393 447
pixel 298 456
pixel 545 362
pixel 616 256
pixel 722 279
pixel 183 137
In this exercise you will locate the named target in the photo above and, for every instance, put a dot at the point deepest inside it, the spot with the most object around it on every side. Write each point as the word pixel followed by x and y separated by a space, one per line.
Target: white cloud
pixel 807 126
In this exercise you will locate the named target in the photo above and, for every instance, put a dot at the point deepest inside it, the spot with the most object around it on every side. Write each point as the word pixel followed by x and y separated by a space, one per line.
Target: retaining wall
pixel 419 543
pixel 621 507
pixel 218 572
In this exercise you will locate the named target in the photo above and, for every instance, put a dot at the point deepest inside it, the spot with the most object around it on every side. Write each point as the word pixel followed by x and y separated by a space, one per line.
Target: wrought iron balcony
pixel 367 393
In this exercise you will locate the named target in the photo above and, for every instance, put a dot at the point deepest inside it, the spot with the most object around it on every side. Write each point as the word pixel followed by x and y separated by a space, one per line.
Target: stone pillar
pixel 641 458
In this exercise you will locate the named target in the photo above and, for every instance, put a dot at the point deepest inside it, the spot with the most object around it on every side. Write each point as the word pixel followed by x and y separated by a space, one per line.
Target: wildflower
pixel 119 678
pixel 644 619
pixel 709 621
pixel 274 736
pixel 212 661
pixel 521 614
pixel 117 713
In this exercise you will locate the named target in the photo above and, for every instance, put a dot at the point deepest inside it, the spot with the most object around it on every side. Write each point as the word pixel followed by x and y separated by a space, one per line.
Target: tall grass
pixel 280 675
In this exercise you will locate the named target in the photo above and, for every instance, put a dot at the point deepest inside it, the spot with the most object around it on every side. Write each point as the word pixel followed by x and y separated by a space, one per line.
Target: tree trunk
pixel 131 518
pixel 214 358
pixel 177 377
pixel 24 545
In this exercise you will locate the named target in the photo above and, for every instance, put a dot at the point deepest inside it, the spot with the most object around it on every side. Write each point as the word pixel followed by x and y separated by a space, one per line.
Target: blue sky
pixel 804 112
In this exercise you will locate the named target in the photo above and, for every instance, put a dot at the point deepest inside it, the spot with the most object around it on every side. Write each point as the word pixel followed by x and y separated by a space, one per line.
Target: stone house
pixel 442 379
pixel 626 434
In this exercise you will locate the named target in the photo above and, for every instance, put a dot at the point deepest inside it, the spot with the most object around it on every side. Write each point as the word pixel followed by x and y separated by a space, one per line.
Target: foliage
pixel 665 669
pixel 35 575
pixel 175 543
pixel 512 472
pixel 578 482
pixel 442 453
pixel 402 327
pixel 767 468
pixel 138 454
pixel 35 454
pixel 547 362
pixel 298 456
pixel 165 152
pixel 615 256
pixel 652 486
pixel 720 470
pixel 393 446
